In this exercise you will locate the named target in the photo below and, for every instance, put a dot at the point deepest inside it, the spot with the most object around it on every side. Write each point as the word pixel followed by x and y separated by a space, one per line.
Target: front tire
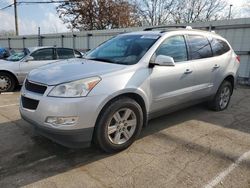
pixel 119 125
pixel 222 97
pixel 7 82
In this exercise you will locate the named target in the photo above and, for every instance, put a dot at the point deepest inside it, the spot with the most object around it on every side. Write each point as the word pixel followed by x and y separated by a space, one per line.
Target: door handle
pixel 188 71
pixel 216 66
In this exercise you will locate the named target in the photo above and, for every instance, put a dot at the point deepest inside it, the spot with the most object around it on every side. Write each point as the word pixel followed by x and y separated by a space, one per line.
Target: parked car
pixel 109 96
pixel 4 53
pixel 14 69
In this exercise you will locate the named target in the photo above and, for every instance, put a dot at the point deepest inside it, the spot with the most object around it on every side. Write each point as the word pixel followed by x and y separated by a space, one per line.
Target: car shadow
pixel 28 157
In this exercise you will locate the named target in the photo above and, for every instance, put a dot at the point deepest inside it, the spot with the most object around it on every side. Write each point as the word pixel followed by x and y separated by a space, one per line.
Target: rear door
pixel 222 58
pixel 172 85
pixel 40 57
pixel 200 53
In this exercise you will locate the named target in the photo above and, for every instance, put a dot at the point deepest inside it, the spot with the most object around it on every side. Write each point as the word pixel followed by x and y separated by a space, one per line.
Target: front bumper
pixel 74 136
pixel 79 138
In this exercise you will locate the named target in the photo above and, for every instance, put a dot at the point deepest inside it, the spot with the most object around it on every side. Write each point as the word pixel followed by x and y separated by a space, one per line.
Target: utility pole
pixel 230 12
pixel 39 37
pixel 16 19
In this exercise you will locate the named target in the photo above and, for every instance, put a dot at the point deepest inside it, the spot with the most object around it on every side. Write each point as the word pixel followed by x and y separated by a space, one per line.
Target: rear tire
pixel 7 82
pixel 222 97
pixel 119 125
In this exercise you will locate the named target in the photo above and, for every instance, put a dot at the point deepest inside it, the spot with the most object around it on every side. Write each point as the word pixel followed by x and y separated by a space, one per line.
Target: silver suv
pixel 110 95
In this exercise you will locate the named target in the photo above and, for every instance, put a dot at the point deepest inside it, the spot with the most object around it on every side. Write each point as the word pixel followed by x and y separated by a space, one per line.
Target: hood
pixel 70 70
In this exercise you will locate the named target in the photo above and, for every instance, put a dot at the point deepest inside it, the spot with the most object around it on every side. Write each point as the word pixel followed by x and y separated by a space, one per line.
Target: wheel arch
pixel 230 78
pixel 135 96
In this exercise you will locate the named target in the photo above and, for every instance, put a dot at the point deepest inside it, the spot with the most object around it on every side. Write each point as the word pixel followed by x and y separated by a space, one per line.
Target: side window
pixel 219 47
pixel 43 54
pixel 199 47
pixel 64 53
pixel 174 47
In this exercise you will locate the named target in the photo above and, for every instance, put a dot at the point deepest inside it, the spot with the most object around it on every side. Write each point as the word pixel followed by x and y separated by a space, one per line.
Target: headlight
pixel 79 88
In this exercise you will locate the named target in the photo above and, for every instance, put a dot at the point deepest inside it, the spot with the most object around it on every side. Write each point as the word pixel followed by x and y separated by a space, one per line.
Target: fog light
pixel 59 121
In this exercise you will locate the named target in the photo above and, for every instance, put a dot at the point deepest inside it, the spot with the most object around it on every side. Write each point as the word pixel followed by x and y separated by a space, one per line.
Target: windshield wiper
pixel 101 59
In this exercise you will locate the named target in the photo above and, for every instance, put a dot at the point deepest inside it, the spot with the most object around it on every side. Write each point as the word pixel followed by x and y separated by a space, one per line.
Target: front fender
pixel 137 91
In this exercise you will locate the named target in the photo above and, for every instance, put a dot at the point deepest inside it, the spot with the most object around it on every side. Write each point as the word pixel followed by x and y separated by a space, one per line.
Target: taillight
pixel 238 58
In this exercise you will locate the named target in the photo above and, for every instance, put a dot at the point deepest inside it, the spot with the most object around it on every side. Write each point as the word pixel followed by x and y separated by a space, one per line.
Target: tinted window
pixel 43 54
pixel 64 53
pixel 219 47
pixel 174 47
pixel 199 47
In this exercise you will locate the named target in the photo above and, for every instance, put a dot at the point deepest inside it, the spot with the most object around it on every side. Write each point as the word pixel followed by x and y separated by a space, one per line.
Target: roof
pixel 144 33
pixel 31 49
pixel 161 32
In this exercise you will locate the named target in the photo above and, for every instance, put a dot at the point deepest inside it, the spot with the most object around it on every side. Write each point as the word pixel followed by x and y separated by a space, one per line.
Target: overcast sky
pixel 45 16
pixel 30 17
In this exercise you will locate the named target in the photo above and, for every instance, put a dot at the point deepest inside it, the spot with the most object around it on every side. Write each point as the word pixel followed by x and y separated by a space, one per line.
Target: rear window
pixel 219 47
pixel 199 47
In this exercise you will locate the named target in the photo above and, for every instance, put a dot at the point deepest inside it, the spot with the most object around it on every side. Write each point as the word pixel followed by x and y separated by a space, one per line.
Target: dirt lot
pixel 194 147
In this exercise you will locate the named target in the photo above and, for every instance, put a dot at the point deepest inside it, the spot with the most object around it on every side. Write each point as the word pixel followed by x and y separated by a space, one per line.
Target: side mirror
pixel 29 58
pixel 164 60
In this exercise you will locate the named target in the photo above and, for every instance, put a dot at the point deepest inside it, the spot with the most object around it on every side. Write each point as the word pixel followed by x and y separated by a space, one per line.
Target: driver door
pixel 172 85
pixel 39 58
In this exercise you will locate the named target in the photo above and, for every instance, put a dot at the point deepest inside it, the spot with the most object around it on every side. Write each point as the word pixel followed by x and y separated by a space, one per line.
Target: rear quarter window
pixel 199 47
pixel 219 47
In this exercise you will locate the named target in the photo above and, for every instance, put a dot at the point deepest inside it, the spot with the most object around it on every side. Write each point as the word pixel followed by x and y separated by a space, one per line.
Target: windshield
pixel 123 49
pixel 17 56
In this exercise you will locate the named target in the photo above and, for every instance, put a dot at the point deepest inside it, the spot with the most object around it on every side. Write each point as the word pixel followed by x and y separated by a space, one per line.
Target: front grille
pixel 28 103
pixel 36 88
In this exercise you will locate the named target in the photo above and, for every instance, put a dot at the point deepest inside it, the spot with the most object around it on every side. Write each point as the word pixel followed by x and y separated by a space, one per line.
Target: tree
pixel 154 12
pixel 97 14
pixel 6 33
pixel 157 12
pixel 105 14
pixel 189 11
pixel 246 7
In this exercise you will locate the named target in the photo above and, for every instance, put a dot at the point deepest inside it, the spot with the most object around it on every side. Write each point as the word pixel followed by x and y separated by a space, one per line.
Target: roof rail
pixel 163 27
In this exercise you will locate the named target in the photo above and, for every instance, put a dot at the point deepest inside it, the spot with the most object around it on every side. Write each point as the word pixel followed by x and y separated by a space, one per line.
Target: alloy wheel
pixel 122 126
pixel 224 97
